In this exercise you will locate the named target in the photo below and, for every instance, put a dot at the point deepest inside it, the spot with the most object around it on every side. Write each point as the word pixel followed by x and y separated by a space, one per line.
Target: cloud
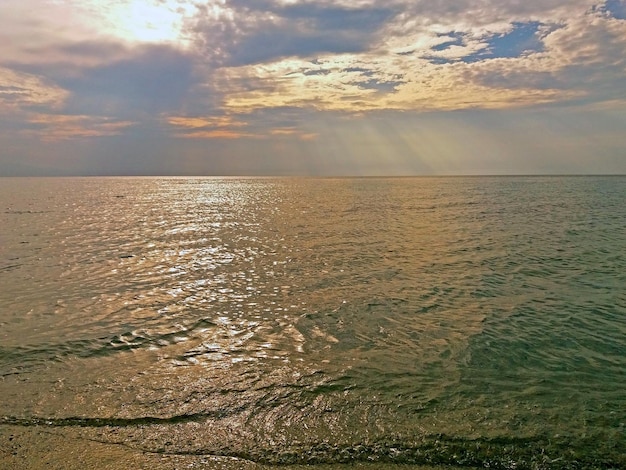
pixel 258 124
pixel 210 127
pixel 521 39
pixel 152 80
pixel 87 89
pixel 20 90
pixel 244 32
pixel 50 127
pixel 356 56
pixel 361 84
pixel 430 57
pixel 584 59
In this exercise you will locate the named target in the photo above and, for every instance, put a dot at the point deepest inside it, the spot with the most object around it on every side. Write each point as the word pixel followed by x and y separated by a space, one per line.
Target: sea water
pixel 453 321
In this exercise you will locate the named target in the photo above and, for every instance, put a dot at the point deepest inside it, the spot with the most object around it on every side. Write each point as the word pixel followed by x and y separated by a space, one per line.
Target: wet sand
pixel 40 447
pixel 51 448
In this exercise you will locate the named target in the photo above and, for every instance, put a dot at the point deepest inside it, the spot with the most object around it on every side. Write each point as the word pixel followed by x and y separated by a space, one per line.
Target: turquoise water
pixel 475 321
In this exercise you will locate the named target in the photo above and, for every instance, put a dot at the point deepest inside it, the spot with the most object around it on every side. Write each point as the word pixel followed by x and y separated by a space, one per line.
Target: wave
pixel 33 356
pixel 505 452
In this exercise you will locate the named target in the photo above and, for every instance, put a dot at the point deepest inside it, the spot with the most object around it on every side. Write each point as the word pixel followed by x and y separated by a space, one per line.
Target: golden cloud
pixel 64 127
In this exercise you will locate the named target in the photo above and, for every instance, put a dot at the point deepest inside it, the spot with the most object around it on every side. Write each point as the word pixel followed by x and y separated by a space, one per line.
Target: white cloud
pixel 580 49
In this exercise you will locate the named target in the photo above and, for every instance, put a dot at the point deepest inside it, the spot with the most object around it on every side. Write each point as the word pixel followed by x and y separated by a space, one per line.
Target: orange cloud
pixel 63 127
pixel 215 134
pixel 212 127
pixel 292 131
pixel 192 122
pixel 18 89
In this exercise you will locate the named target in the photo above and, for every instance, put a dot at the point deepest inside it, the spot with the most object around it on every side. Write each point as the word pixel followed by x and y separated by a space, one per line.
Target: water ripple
pixel 457 321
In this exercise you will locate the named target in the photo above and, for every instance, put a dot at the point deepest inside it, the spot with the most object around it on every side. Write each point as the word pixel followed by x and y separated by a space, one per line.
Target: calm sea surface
pixel 435 321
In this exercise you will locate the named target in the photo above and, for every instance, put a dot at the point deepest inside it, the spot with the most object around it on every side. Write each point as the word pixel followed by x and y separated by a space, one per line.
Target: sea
pixel 426 322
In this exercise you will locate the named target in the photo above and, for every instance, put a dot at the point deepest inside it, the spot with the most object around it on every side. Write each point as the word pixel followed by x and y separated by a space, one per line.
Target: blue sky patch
pixel 439 60
pixel 316 72
pixel 457 40
pixel 616 8
pixel 521 39
pixel 361 70
pixel 380 85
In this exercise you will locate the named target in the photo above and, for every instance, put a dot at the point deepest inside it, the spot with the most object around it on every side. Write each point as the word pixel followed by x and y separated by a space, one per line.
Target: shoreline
pixel 41 447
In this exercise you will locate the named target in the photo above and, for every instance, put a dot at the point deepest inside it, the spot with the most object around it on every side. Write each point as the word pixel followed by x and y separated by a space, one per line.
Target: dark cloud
pixel 76 51
pixel 59 60
pixel 362 70
pixel 372 82
pixel 153 80
pixel 111 80
pixel 263 31
pixel 273 43
pixel 383 86
pixel 482 12
pixel 337 19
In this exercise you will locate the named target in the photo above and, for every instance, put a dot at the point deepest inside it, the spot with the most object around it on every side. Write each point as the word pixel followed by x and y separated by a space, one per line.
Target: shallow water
pixel 450 321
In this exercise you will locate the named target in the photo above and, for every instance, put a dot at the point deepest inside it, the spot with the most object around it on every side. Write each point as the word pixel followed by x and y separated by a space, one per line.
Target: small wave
pixel 537 452
pixel 104 346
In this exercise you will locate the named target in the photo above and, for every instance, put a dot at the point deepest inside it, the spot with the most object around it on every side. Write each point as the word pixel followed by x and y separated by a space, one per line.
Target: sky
pixel 312 87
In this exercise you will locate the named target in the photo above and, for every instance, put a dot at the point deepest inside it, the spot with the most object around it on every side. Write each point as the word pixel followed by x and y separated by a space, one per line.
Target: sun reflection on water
pixel 361 308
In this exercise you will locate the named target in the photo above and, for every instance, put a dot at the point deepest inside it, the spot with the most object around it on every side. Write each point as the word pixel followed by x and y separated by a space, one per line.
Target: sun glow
pixel 155 21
